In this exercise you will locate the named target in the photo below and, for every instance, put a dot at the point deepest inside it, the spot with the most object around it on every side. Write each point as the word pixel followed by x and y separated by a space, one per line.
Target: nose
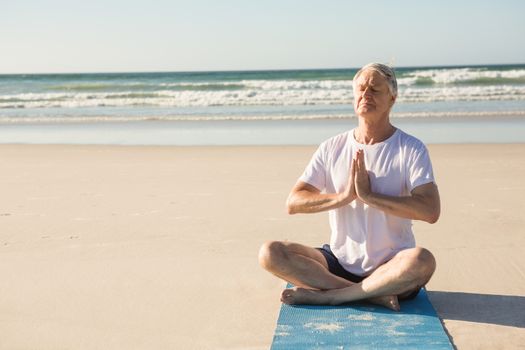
pixel 367 92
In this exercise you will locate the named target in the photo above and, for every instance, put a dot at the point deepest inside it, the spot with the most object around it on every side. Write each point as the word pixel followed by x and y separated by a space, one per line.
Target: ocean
pixel 438 104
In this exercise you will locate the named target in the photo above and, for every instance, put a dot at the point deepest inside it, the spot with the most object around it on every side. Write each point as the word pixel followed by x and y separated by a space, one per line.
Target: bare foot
pixel 389 301
pixel 297 296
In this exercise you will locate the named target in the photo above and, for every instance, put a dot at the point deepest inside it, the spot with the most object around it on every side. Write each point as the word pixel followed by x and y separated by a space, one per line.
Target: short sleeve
pixel 419 168
pixel 315 172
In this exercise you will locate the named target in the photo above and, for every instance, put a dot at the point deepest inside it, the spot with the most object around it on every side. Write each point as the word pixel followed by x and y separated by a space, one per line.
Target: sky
pixel 61 36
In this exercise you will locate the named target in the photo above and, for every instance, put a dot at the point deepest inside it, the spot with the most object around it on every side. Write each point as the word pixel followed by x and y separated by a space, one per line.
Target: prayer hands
pixel 360 176
pixel 358 181
pixel 350 194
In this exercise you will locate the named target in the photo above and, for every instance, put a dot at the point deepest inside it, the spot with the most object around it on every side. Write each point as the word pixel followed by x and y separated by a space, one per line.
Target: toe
pixel 286 296
pixel 394 303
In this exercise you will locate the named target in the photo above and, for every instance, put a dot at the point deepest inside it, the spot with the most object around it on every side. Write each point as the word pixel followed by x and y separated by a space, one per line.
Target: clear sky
pixel 40 36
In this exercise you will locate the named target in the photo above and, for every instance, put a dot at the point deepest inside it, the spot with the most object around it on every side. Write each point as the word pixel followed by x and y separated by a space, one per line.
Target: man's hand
pixel 422 203
pixel 349 194
pixel 360 174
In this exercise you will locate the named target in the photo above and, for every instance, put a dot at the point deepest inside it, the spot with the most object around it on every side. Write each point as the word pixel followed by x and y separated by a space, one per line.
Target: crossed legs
pixel 306 268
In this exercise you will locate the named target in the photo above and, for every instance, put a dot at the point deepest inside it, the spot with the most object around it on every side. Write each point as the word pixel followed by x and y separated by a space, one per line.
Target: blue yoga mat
pixel 361 326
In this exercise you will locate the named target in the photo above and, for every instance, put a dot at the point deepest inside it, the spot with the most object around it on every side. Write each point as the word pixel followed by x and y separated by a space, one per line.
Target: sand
pixel 108 247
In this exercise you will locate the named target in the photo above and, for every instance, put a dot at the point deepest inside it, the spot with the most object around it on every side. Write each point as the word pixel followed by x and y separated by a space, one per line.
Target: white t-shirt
pixel 363 237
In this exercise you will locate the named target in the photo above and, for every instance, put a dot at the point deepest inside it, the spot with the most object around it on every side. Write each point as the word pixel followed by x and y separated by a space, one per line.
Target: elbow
pixel 433 217
pixel 290 207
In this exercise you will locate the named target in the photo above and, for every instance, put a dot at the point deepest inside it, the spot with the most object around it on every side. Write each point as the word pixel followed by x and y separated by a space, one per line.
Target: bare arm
pixel 305 198
pixel 422 204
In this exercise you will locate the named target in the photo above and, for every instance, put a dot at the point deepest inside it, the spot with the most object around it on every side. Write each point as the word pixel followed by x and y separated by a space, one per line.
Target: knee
pixel 271 254
pixel 420 264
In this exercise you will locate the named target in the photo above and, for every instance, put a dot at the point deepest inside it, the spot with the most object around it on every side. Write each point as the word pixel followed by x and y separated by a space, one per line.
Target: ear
pixel 392 100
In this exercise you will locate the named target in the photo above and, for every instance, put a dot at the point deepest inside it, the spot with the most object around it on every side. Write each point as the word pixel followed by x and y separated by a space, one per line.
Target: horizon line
pixel 259 70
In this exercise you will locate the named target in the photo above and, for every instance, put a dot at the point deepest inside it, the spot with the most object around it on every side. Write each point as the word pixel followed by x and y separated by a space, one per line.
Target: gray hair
pixel 383 70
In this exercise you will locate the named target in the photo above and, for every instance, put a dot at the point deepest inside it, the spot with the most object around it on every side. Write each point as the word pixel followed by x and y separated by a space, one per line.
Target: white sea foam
pixel 278 93
pixel 462 93
pixel 301 95
pixel 177 98
pixel 298 84
pixel 118 119
pixel 298 117
pixel 457 75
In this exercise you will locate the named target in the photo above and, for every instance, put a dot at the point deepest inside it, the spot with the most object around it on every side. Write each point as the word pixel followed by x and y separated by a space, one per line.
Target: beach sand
pixel 108 247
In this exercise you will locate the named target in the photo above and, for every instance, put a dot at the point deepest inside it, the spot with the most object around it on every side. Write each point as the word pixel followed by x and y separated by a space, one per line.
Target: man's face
pixel 371 95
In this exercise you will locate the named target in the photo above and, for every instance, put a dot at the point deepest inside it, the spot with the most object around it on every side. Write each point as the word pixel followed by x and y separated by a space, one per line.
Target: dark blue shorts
pixel 337 269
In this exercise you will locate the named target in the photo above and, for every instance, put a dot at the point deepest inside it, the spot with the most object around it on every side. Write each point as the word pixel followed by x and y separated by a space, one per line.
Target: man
pixel 373 180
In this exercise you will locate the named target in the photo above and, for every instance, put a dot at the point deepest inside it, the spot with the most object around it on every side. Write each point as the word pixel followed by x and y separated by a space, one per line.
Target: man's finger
pixel 354 171
pixel 360 160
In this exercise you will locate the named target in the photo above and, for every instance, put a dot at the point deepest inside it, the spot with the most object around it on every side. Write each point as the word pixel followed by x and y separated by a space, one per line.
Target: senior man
pixel 374 180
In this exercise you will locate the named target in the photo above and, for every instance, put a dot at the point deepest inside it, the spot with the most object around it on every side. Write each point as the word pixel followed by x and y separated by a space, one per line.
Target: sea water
pixel 436 104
